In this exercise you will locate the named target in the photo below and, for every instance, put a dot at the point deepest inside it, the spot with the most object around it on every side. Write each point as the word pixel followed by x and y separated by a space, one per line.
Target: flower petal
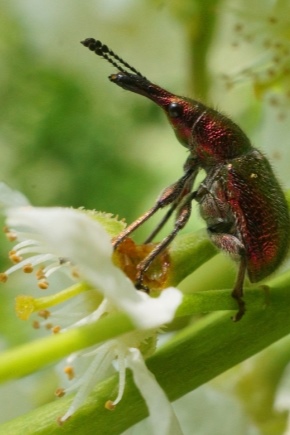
pixel 11 198
pixel 154 312
pixel 72 234
pixel 161 414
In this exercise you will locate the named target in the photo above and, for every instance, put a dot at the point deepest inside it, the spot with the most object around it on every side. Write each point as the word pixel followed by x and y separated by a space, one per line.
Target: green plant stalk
pixel 261 380
pixel 200 38
pixel 30 357
pixel 197 354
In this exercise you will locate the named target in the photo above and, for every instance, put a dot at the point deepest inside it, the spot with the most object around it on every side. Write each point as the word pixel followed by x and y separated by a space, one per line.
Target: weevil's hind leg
pixel 237 292
pixel 222 230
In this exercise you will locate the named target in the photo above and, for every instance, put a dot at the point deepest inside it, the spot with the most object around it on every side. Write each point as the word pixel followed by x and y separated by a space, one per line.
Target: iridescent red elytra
pixel 240 198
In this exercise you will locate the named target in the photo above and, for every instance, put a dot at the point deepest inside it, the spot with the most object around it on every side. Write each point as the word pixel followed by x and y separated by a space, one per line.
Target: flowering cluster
pixel 57 240
pixel 265 28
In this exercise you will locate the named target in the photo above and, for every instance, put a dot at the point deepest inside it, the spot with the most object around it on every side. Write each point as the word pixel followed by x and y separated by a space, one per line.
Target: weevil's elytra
pixel 240 199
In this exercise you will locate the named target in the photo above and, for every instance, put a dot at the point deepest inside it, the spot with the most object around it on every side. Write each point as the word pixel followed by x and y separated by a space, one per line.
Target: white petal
pixel 161 414
pixel 61 229
pixel 70 233
pixel 11 198
pixel 155 312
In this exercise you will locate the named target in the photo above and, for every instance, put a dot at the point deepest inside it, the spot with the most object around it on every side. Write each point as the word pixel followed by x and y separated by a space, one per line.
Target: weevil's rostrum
pixel 240 199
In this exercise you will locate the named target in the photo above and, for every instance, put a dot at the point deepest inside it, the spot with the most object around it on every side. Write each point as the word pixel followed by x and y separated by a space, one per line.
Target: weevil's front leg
pixel 191 169
pixel 171 195
pixel 183 215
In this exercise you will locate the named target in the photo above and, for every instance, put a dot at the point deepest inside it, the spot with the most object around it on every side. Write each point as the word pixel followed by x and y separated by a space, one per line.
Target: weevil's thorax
pixel 210 136
pixel 218 139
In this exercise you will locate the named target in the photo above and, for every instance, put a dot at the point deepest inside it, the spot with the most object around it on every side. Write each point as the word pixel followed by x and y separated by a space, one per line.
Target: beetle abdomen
pixel 261 212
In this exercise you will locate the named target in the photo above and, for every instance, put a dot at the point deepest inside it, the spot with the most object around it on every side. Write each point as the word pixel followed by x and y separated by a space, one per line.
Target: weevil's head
pixel 210 136
pixel 181 112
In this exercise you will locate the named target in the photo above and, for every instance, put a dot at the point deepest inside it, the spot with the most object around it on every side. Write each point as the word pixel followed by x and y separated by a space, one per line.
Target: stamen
pixel 3 277
pixel 36 324
pixel 28 268
pixel 45 314
pixel 95 372
pixel 109 405
pixel 43 284
pixel 75 273
pixel 25 243
pixel 94 316
pixel 39 273
pixel 69 371
pixel 56 329
pixel 11 235
pixel 122 376
pixel 35 260
pixel 14 257
pixel 59 392
pixel 51 268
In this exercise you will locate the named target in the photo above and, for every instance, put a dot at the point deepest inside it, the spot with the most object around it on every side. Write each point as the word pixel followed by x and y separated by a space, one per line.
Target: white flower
pixel 70 234
pixel 66 238
pixel 263 30
pixel 11 198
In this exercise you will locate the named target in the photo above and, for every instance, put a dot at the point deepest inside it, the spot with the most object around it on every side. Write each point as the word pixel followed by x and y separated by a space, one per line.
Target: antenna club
pixel 104 51
pixel 94 45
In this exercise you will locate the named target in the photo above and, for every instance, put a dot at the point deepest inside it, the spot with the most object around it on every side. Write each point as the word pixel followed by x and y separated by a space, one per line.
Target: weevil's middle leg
pixel 161 223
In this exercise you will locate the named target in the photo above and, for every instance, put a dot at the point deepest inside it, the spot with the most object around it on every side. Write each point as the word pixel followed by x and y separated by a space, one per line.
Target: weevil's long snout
pixel 141 86
pixel 132 82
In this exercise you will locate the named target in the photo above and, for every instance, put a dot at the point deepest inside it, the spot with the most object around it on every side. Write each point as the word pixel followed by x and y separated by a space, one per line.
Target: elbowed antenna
pixel 105 52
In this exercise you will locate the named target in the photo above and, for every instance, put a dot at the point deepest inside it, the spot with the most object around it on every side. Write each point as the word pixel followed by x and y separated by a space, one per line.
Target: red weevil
pixel 240 199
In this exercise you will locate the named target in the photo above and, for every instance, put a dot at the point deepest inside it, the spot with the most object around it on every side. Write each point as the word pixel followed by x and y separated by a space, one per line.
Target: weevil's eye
pixel 175 110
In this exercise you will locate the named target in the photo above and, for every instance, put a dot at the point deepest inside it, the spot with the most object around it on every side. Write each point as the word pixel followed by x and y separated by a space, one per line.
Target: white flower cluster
pixel 46 235
pixel 262 28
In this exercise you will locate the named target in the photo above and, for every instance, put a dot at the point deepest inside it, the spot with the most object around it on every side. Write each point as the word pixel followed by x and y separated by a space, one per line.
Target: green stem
pixel 197 354
pixel 30 357
pixel 200 32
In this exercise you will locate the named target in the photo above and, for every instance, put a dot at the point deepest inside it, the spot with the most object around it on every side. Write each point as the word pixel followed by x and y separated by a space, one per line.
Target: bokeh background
pixel 69 137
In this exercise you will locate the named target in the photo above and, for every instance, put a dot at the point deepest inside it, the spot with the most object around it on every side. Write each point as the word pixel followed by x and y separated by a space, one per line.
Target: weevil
pixel 240 199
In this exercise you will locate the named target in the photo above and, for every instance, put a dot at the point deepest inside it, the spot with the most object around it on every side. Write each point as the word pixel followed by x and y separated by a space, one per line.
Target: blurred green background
pixel 70 137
